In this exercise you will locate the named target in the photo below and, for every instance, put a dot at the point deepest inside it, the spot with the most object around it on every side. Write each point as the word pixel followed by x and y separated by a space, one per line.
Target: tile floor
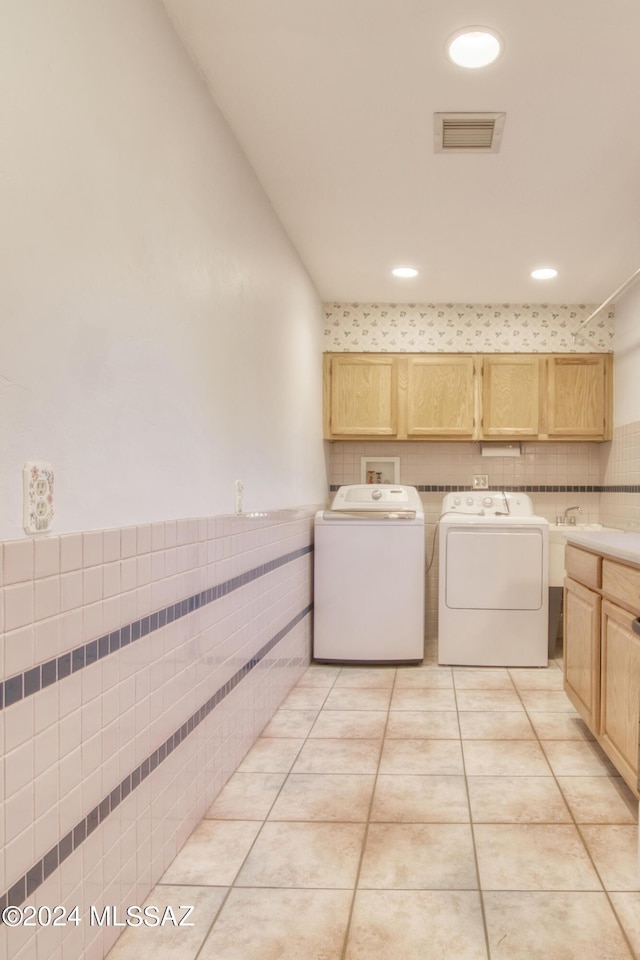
pixel 418 812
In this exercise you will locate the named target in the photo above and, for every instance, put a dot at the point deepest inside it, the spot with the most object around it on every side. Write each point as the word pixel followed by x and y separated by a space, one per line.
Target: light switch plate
pixel 37 484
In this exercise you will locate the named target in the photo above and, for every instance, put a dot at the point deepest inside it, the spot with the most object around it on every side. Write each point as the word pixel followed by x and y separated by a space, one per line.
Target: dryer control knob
pixel 376 494
pixel 457 501
pixel 487 502
pixel 469 501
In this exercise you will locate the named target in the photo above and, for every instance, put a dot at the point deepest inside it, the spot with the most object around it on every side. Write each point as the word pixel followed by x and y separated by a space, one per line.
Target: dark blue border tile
pixel 14 689
pixel 31 681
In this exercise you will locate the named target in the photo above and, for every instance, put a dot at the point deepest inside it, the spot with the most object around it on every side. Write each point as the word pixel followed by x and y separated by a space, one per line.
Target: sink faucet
pixel 571 520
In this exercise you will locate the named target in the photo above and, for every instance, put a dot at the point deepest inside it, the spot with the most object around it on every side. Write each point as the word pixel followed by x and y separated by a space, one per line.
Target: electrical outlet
pixel 239 495
pixel 37 497
pixel 481 481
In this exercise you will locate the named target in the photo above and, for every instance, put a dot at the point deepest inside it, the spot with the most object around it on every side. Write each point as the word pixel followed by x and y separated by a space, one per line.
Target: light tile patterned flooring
pixel 410 814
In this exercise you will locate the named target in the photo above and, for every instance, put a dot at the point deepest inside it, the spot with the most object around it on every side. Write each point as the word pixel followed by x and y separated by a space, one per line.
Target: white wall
pixel 159 336
pixel 626 395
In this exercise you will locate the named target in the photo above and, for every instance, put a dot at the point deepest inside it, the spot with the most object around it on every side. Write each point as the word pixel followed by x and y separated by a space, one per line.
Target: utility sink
pixel 557 540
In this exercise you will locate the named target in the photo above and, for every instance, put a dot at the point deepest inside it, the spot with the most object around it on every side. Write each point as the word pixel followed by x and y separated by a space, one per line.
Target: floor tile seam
pixel 292 886
pixel 616 775
pixel 214 920
pixel 540 776
pixel 419 823
pixel 319 886
pixel 483 912
pixel 499 739
pixel 590 775
pixel 263 821
pixel 520 823
pixel 368 821
pixel 556 776
pixel 604 886
pixel 473 819
pixel 542 689
pixel 267 818
pixel 481 688
pixel 576 890
pixel 579 832
pixel 419 888
pixel 354 709
pixel 232 885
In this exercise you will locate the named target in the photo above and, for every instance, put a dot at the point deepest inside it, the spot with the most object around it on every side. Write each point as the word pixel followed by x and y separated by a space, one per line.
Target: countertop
pixel 611 543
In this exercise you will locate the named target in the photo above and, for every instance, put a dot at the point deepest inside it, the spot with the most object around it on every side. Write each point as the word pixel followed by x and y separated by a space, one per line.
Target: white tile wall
pixel 67 746
pixel 621 467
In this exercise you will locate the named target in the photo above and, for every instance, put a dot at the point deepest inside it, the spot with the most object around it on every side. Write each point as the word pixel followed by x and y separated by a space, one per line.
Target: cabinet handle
pixel 635 625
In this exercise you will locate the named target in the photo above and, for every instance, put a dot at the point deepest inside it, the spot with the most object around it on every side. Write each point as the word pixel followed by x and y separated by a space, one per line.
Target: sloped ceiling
pixel 333 104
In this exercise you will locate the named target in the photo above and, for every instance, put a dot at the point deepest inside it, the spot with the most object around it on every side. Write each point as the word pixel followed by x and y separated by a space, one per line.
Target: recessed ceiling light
pixel 404 272
pixel 474 46
pixel 544 273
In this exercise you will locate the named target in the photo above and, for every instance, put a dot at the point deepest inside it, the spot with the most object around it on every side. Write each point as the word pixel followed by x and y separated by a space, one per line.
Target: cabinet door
pixel 582 651
pixel 440 396
pixel 579 391
pixel 620 705
pixel 510 396
pixel 362 396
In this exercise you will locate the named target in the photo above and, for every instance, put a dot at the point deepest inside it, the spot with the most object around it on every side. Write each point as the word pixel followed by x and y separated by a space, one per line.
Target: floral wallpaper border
pixel 465 328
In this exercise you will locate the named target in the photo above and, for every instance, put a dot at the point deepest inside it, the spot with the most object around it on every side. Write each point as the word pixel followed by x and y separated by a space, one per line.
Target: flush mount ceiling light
pixel 404 272
pixel 544 273
pixel 474 47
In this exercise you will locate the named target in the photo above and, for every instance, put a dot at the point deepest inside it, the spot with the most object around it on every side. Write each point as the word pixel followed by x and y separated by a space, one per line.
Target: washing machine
pixel 369 576
pixel 493 592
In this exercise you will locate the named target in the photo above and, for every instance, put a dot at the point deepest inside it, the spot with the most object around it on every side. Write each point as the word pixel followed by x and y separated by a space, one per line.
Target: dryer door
pixel 496 568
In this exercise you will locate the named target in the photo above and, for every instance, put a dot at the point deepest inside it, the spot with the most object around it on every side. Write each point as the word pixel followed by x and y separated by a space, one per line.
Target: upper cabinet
pixel 439 396
pixel 579 390
pixel 361 395
pixel 510 396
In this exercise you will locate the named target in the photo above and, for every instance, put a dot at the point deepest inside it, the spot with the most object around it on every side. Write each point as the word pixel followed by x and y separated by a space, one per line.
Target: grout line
pixel 579 832
pixel 472 825
pixel 232 885
pixel 365 836
pixel 38 677
pixel 535 739
pixel 22 889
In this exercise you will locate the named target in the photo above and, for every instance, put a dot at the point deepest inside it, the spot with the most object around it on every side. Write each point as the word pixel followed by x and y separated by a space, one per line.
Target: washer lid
pixel 368 514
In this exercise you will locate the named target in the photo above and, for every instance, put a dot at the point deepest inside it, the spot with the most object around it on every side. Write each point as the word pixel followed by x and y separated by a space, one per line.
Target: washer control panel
pixel 488 503
pixel 364 496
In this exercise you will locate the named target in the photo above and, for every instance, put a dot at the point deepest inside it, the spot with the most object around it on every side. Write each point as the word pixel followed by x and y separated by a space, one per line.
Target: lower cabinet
pixel 582 651
pixel 620 684
pixel 602 655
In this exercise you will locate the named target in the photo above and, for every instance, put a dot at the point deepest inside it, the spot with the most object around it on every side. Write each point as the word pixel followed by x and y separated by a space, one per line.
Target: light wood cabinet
pixel 620 691
pixel 582 651
pixel 399 396
pixel 439 396
pixel 602 653
pixel 362 399
pixel 510 396
pixel 579 396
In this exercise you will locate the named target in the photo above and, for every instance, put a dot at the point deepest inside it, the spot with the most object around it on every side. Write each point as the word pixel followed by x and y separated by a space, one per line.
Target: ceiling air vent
pixel 468 132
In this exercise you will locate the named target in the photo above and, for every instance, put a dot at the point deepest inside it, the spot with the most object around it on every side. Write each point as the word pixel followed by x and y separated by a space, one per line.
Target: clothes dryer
pixel 493 592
